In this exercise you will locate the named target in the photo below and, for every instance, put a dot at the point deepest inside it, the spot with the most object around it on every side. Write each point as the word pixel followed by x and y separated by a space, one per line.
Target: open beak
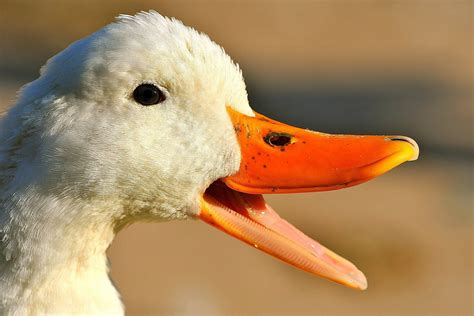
pixel 278 158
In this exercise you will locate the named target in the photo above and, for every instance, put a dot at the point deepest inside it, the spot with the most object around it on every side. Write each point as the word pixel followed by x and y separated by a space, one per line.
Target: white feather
pixel 79 158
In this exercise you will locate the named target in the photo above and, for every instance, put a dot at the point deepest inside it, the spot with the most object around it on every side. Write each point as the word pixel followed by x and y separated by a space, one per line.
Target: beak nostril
pixel 278 139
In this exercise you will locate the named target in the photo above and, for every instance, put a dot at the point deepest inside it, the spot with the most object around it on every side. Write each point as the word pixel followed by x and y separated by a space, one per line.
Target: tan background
pixel 392 67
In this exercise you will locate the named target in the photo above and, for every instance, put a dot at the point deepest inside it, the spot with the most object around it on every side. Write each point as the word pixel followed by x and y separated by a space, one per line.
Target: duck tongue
pixel 249 218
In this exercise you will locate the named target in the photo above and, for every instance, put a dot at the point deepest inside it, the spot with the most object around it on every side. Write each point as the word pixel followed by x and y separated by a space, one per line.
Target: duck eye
pixel 148 94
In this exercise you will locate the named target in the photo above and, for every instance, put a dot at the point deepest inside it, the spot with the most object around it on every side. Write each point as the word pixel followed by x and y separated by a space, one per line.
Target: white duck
pixel 135 122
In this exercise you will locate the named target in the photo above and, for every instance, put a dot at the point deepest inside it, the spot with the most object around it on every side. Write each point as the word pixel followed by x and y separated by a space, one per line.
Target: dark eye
pixel 148 94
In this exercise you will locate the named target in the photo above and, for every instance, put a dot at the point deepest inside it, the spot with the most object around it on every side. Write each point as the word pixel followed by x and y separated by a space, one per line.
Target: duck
pixel 149 120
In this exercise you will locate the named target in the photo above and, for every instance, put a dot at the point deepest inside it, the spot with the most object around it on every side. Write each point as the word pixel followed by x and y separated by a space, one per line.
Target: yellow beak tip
pixel 415 149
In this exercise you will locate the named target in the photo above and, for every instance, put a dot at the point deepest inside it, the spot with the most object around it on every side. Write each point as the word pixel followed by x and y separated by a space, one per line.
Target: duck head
pixel 154 116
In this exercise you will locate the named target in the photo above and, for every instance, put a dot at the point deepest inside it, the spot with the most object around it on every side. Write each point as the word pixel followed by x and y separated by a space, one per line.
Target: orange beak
pixel 278 158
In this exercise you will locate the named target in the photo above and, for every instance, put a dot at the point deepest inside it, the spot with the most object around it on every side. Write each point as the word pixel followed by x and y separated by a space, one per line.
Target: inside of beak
pixel 278 158
pixel 248 218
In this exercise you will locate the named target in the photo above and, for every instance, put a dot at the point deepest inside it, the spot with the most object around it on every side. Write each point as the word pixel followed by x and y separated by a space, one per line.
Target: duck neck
pixel 53 257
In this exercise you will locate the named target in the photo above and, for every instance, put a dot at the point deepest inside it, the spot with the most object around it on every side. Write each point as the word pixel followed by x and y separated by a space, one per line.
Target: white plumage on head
pixel 79 158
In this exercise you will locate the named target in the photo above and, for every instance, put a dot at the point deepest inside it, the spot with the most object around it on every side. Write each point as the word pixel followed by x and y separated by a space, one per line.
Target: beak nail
pixel 410 141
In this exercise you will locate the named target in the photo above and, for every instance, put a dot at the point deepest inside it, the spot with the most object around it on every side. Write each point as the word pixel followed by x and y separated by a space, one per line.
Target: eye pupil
pixel 148 94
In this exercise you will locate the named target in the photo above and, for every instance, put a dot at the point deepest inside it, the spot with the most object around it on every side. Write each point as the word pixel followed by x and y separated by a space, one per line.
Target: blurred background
pixel 376 67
